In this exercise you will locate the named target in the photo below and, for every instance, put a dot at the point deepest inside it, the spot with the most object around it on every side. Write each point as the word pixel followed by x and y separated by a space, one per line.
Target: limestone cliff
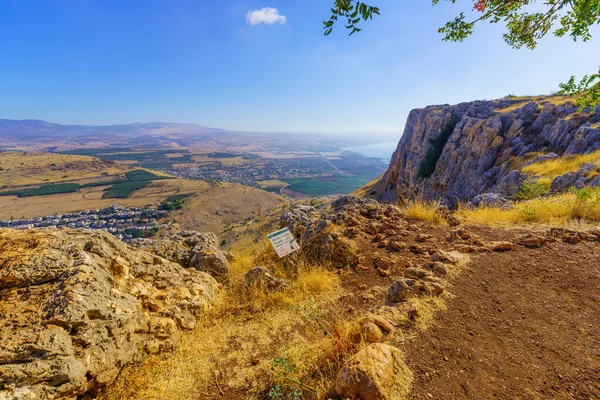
pixel 485 147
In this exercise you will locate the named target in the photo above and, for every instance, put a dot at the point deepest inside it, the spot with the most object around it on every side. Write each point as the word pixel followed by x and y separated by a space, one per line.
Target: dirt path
pixel 523 325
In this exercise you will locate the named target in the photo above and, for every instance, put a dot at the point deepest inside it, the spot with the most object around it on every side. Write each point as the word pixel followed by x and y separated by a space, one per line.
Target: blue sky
pixel 121 61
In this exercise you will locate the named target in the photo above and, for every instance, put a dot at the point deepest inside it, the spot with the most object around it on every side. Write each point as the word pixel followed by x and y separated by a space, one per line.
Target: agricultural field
pixel 121 187
pixel 321 186
pixel 22 169
pixel 313 173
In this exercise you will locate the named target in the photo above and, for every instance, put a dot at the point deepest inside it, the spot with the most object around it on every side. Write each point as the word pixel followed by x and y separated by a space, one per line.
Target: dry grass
pixel 559 210
pixel 19 169
pixel 562 165
pixel 254 344
pixel 426 211
pixel 368 189
pixel 556 100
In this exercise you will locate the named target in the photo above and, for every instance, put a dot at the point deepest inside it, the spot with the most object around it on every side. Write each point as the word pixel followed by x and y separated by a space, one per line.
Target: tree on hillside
pixel 572 18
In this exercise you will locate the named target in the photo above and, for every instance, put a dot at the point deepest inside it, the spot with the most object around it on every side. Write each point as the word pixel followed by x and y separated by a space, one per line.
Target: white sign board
pixel 283 242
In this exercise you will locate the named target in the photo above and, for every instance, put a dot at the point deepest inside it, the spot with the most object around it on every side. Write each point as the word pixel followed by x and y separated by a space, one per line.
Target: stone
pixel 439 269
pixel 499 246
pixel 416 273
pixel 532 241
pixel 381 322
pixel 370 332
pixel 383 263
pixel 396 245
pixel 71 296
pixel 261 277
pixel 489 200
pixel 401 290
pixel 423 237
pixel 191 249
pixel 212 261
pixel 297 218
pixel 445 257
pixel 374 373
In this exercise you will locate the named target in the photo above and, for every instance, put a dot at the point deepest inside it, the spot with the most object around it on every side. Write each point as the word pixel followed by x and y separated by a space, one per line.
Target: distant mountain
pixel 37 135
pixel 37 129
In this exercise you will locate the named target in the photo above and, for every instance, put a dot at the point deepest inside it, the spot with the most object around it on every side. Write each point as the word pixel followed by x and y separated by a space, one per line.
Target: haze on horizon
pixel 258 65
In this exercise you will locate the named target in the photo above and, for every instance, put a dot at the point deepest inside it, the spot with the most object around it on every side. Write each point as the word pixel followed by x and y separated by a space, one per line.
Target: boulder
pixel 77 306
pixel 370 332
pixel 261 277
pixel 445 257
pixel 377 372
pixel 191 249
pixel 489 200
pixel 401 290
pixel 297 218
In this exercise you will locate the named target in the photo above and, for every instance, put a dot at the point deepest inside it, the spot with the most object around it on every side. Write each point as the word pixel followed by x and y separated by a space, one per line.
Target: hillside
pixel 454 153
pixel 21 169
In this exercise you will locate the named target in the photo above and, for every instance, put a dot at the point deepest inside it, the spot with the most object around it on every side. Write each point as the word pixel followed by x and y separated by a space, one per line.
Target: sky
pixel 257 65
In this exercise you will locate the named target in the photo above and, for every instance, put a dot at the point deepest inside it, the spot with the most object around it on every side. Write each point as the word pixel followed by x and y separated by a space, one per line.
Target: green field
pixel 121 188
pixel 321 186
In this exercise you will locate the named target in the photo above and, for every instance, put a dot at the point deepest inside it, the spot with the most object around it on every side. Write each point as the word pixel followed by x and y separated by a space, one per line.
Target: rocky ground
pixel 519 320
pixel 414 311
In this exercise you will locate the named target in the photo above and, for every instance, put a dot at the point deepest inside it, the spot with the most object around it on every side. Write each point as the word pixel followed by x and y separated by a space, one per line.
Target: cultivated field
pixel 21 169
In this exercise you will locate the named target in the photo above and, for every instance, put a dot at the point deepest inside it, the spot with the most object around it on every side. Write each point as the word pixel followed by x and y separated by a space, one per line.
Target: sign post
pixel 283 241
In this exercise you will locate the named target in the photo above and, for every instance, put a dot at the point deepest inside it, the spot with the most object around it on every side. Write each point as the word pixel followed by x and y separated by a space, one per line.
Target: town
pixel 126 223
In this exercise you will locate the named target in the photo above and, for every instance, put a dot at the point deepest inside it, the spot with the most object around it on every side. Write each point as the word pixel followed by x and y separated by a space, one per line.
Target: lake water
pixel 382 151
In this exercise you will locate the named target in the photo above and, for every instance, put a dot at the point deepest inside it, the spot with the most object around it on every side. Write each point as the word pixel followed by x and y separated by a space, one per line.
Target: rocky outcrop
pixel 480 152
pixel 76 306
pixel 191 250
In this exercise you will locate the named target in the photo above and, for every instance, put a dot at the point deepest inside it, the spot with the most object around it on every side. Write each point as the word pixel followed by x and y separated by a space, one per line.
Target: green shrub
pixel 531 190
pixel 436 146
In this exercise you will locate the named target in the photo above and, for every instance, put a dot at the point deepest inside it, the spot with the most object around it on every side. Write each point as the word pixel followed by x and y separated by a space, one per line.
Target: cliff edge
pixel 454 153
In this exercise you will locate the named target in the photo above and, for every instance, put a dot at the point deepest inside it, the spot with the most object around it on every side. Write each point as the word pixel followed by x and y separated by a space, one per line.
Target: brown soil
pixel 523 325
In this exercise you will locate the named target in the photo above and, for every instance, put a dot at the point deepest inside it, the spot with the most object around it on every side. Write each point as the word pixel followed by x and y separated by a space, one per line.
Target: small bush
pixel 532 189
pixel 436 146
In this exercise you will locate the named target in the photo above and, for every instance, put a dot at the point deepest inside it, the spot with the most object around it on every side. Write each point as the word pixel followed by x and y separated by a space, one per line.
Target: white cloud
pixel 267 15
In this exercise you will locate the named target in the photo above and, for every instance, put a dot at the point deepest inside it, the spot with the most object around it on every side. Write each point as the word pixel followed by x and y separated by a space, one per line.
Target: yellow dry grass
pixel 367 189
pixel 556 100
pixel 561 165
pixel 426 211
pixel 20 169
pixel 253 342
pixel 559 210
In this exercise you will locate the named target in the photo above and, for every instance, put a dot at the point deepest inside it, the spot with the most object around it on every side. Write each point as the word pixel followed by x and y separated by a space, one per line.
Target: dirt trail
pixel 524 324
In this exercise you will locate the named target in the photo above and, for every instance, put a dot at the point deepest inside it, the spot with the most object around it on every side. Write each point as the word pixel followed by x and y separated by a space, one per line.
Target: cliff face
pixel 490 139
